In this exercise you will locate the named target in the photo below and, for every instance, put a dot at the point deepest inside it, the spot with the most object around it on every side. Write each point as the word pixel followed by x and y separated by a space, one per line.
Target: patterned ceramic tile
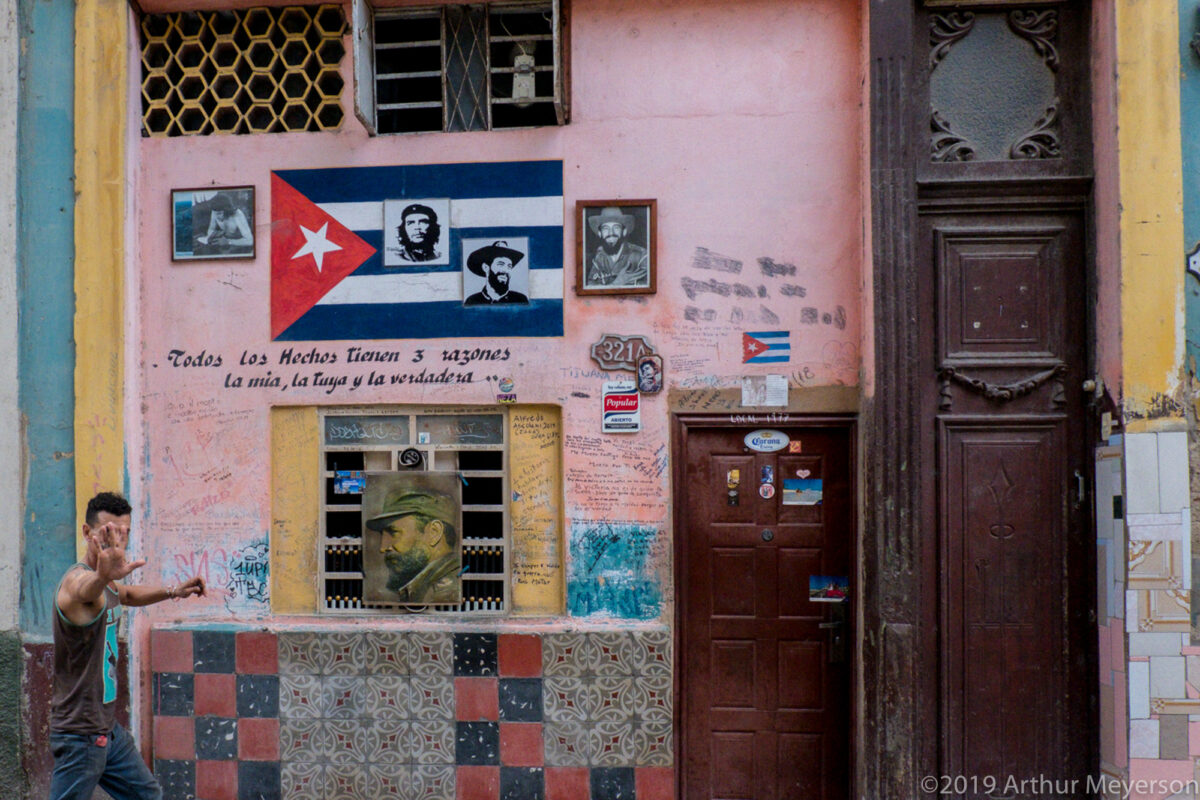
pixel 564 654
pixel 653 652
pixel 385 653
pixel 343 696
pixel 344 654
pixel 431 741
pixel 433 782
pixel 387 741
pixel 346 740
pixel 612 745
pixel 652 698
pixel 388 780
pixel 299 696
pixel 346 782
pixel 301 653
pixel 302 740
pixel 387 697
pixel 565 700
pixel 432 697
pixel 652 745
pixel 611 700
pixel 303 780
pixel 611 653
pixel 430 653
pixel 568 744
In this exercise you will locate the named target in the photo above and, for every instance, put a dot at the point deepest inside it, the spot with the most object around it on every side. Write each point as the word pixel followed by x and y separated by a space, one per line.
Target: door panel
pixel 1013 559
pixel 765 714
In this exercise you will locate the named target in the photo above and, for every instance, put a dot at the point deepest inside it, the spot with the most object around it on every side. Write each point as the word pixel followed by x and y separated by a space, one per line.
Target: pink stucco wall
pixel 743 120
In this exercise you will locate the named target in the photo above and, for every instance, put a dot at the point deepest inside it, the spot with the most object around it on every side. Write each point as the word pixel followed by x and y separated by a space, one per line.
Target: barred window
pixel 460 67
pixel 254 70
pixel 357 444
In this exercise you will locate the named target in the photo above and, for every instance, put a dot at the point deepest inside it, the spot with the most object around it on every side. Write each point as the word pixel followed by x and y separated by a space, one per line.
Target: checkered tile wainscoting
pixel 452 716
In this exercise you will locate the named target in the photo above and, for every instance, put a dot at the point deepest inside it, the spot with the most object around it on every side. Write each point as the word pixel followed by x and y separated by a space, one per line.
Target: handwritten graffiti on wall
pixel 608 574
pixel 231 575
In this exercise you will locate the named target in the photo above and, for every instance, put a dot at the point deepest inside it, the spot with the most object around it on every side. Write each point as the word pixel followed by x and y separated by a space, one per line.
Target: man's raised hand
pixel 111 540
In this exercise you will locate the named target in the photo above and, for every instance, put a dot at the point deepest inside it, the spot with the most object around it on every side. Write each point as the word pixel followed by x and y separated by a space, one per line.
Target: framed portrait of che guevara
pixel 210 223
pixel 615 247
pixel 412 542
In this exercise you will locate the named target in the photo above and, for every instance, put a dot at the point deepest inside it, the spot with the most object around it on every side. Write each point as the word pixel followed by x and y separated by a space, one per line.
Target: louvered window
pixel 459 67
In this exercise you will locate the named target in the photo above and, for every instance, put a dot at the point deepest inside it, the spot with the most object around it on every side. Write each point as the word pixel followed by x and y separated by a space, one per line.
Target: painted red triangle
pixel 296 282
pixel 751 347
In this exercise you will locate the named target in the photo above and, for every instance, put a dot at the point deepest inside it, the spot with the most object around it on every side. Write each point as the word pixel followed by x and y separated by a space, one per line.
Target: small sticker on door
pixel 767 491
pixel 795 447
pixel 828 588
pixel 801 492
pixel 732 478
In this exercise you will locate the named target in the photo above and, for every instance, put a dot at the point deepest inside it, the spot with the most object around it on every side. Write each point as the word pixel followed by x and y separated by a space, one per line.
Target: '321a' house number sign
pixel 620 352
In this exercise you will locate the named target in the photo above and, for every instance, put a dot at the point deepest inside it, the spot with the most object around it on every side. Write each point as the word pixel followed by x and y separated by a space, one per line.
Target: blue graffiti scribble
pixel 608 573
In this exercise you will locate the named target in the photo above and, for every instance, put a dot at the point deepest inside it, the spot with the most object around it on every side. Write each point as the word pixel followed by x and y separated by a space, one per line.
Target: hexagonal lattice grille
pixel 254 70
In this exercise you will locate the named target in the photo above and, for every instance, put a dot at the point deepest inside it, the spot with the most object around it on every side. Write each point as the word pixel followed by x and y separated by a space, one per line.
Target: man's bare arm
pixel 148 595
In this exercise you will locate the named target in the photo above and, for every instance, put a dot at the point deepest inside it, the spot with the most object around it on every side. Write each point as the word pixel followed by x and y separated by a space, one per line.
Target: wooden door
pixel 1013 550
pixel 764 672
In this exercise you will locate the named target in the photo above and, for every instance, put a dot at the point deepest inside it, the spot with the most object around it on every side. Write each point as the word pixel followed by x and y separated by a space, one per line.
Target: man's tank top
pixel 85 668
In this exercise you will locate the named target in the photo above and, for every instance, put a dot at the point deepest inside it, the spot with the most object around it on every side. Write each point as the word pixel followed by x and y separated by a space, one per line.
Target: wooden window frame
pixel 363 16
pixel 387 459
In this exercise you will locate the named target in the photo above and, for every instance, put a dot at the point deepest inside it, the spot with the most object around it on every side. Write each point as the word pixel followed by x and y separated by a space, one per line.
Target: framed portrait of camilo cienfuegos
pixel 214 222
pixel 615 247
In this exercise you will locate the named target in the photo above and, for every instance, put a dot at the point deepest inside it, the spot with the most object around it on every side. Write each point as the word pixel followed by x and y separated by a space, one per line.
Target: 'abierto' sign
pixel 622 414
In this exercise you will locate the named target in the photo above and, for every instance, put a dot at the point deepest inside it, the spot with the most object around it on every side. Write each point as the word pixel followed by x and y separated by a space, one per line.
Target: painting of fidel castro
pixel 412 551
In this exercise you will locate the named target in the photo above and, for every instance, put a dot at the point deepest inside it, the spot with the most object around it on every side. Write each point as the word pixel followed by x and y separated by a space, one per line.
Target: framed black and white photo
pixel 416 232
pixel 212 223
pixel 615 247
pixel 495 272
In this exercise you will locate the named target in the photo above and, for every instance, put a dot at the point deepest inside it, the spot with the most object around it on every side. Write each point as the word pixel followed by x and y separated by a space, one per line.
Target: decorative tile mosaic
pixel 371 714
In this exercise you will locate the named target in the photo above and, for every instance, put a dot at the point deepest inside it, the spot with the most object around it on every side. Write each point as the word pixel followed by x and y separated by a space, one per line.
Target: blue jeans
pixel 80 765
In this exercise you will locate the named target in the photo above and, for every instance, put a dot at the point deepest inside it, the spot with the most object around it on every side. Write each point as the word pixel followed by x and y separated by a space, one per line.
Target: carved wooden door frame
pixel 899 660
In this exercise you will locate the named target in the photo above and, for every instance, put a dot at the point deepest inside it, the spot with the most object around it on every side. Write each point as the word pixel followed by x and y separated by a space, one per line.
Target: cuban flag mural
pixel 393 252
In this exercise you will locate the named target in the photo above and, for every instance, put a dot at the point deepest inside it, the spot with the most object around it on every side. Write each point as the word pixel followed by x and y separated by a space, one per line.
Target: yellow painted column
pixel 535 477
pixel 1151 203
pixel 101 83
pixel 295 509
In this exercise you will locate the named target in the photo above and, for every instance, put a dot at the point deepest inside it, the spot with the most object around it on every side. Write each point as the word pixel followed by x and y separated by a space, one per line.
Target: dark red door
pixel 1015 567
pixel 764 669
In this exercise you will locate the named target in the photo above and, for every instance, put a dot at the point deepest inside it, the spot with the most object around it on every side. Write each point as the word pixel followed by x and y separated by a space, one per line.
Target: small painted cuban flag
pixel 765 347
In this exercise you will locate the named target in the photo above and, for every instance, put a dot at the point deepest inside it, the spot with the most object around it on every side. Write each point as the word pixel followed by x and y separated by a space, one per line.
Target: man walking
pixel 90 749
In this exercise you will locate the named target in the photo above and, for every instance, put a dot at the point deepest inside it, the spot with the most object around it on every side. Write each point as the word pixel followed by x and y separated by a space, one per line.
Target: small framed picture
pixel 615 247
pixel 650 374
pixel 212 223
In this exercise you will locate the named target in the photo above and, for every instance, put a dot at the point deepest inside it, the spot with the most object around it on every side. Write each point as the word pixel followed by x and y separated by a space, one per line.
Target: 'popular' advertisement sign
pixel 622 413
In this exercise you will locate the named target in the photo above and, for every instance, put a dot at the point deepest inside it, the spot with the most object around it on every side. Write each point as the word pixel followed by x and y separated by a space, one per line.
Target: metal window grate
pixel 255 70
pixel 468 68
pixel 474 444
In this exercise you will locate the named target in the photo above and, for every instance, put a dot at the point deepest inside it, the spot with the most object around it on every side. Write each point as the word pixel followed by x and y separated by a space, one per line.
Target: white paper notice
pixel 764 390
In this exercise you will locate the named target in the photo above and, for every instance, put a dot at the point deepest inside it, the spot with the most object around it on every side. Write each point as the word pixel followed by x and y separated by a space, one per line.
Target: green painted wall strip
pixel 45 252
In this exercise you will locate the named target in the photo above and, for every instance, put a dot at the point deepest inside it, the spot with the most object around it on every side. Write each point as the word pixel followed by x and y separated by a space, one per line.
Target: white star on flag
pixel 316 244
